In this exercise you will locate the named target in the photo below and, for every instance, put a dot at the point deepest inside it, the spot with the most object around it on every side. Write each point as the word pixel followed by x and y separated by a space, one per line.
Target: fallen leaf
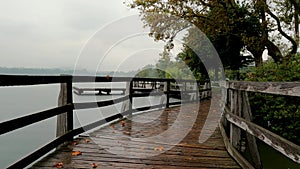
pixel 123 123
pixel 59 165
pixel 87 140
pixel 76 153
pixel 126 132
pixel 94 165
pixel 159 148
pixel 112 126
pixel 107 77
pixel 74 143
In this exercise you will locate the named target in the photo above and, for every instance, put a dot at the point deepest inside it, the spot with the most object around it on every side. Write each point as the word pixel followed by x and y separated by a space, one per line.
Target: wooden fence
pixel 237 117
pixel 66 106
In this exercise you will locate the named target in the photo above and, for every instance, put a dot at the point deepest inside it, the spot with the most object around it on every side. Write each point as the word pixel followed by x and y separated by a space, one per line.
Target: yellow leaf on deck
pixel 126 132
pixel 159 148
pixel 94 165
pixel 59 165
pixel 76 153
pixel 123 123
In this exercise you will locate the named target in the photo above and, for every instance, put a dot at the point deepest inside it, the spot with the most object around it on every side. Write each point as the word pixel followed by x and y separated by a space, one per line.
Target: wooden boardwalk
pixel 114 146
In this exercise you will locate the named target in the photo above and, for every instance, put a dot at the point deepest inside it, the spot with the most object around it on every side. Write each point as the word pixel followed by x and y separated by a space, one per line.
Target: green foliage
pixel 149 72
pixel 287 71
pixel 167 68
pixel 190 58
pixel 280 114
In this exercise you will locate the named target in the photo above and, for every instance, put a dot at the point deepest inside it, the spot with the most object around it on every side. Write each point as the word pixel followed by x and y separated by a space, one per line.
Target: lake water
pixel 20 101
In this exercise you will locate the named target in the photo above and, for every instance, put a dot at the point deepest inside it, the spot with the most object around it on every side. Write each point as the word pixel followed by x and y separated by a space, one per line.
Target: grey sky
pixel 73 33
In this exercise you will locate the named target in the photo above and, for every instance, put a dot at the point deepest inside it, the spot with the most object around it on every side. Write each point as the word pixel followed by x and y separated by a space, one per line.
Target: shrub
pixel 280 114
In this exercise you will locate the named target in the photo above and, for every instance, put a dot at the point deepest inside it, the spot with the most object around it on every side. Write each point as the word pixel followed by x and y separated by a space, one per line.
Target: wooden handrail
pixel 53 144
pixel 89 105
pixel 20 122
pixel 65 110
pixel 280 144
pixel 238 116
pixel 280 88
pixel 27 80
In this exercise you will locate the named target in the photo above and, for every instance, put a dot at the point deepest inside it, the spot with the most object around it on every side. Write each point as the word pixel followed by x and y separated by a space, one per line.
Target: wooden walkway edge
pixel 121 145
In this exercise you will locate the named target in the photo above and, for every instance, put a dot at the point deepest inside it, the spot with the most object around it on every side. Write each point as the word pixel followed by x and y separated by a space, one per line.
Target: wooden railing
pixel 66 106
pixel 237 117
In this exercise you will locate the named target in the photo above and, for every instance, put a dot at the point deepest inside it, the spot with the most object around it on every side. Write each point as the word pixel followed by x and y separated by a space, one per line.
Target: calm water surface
pixel 20 101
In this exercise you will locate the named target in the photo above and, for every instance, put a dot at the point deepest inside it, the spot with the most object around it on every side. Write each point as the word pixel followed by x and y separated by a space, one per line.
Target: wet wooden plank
pixel 125 144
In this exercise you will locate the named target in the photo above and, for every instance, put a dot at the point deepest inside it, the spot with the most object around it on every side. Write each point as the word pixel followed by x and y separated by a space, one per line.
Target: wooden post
pixel 204 94
pixel 65 120
pixel 194 96
pixel 235 132
pixel 224 104
pixel 251 139
pixel 61 127
pixel 168 83
pixel 130 95
pixel 165 97
pixel 127 105
pixel 196 86
pixel 209 92
pixel 70 120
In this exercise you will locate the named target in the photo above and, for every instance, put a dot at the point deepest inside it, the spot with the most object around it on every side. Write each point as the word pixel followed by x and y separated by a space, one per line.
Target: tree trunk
pixel 257 54
pixel 274 51
pixel 297 25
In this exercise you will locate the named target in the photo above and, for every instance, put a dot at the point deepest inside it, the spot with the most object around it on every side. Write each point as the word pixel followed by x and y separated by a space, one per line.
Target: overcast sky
pixel 94 34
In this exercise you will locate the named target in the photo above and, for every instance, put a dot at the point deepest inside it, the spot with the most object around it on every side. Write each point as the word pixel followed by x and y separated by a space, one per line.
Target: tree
pixel 231 25
pixel 287 19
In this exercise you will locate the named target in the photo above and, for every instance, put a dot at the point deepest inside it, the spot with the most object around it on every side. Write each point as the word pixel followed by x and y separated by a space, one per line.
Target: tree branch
pixel 295 46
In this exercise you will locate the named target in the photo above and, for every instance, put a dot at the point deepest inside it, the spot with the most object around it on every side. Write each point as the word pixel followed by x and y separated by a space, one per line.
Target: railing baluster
pixel 235 132
pixel 130 95
pixel 246 110
pixel 65 121
pixel 70 121
pixel 61 126
pixel 127 105
pixel 167 84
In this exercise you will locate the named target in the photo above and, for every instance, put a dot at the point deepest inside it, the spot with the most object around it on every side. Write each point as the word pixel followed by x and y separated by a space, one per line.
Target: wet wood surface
pixel 135 143
pixel 279 88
